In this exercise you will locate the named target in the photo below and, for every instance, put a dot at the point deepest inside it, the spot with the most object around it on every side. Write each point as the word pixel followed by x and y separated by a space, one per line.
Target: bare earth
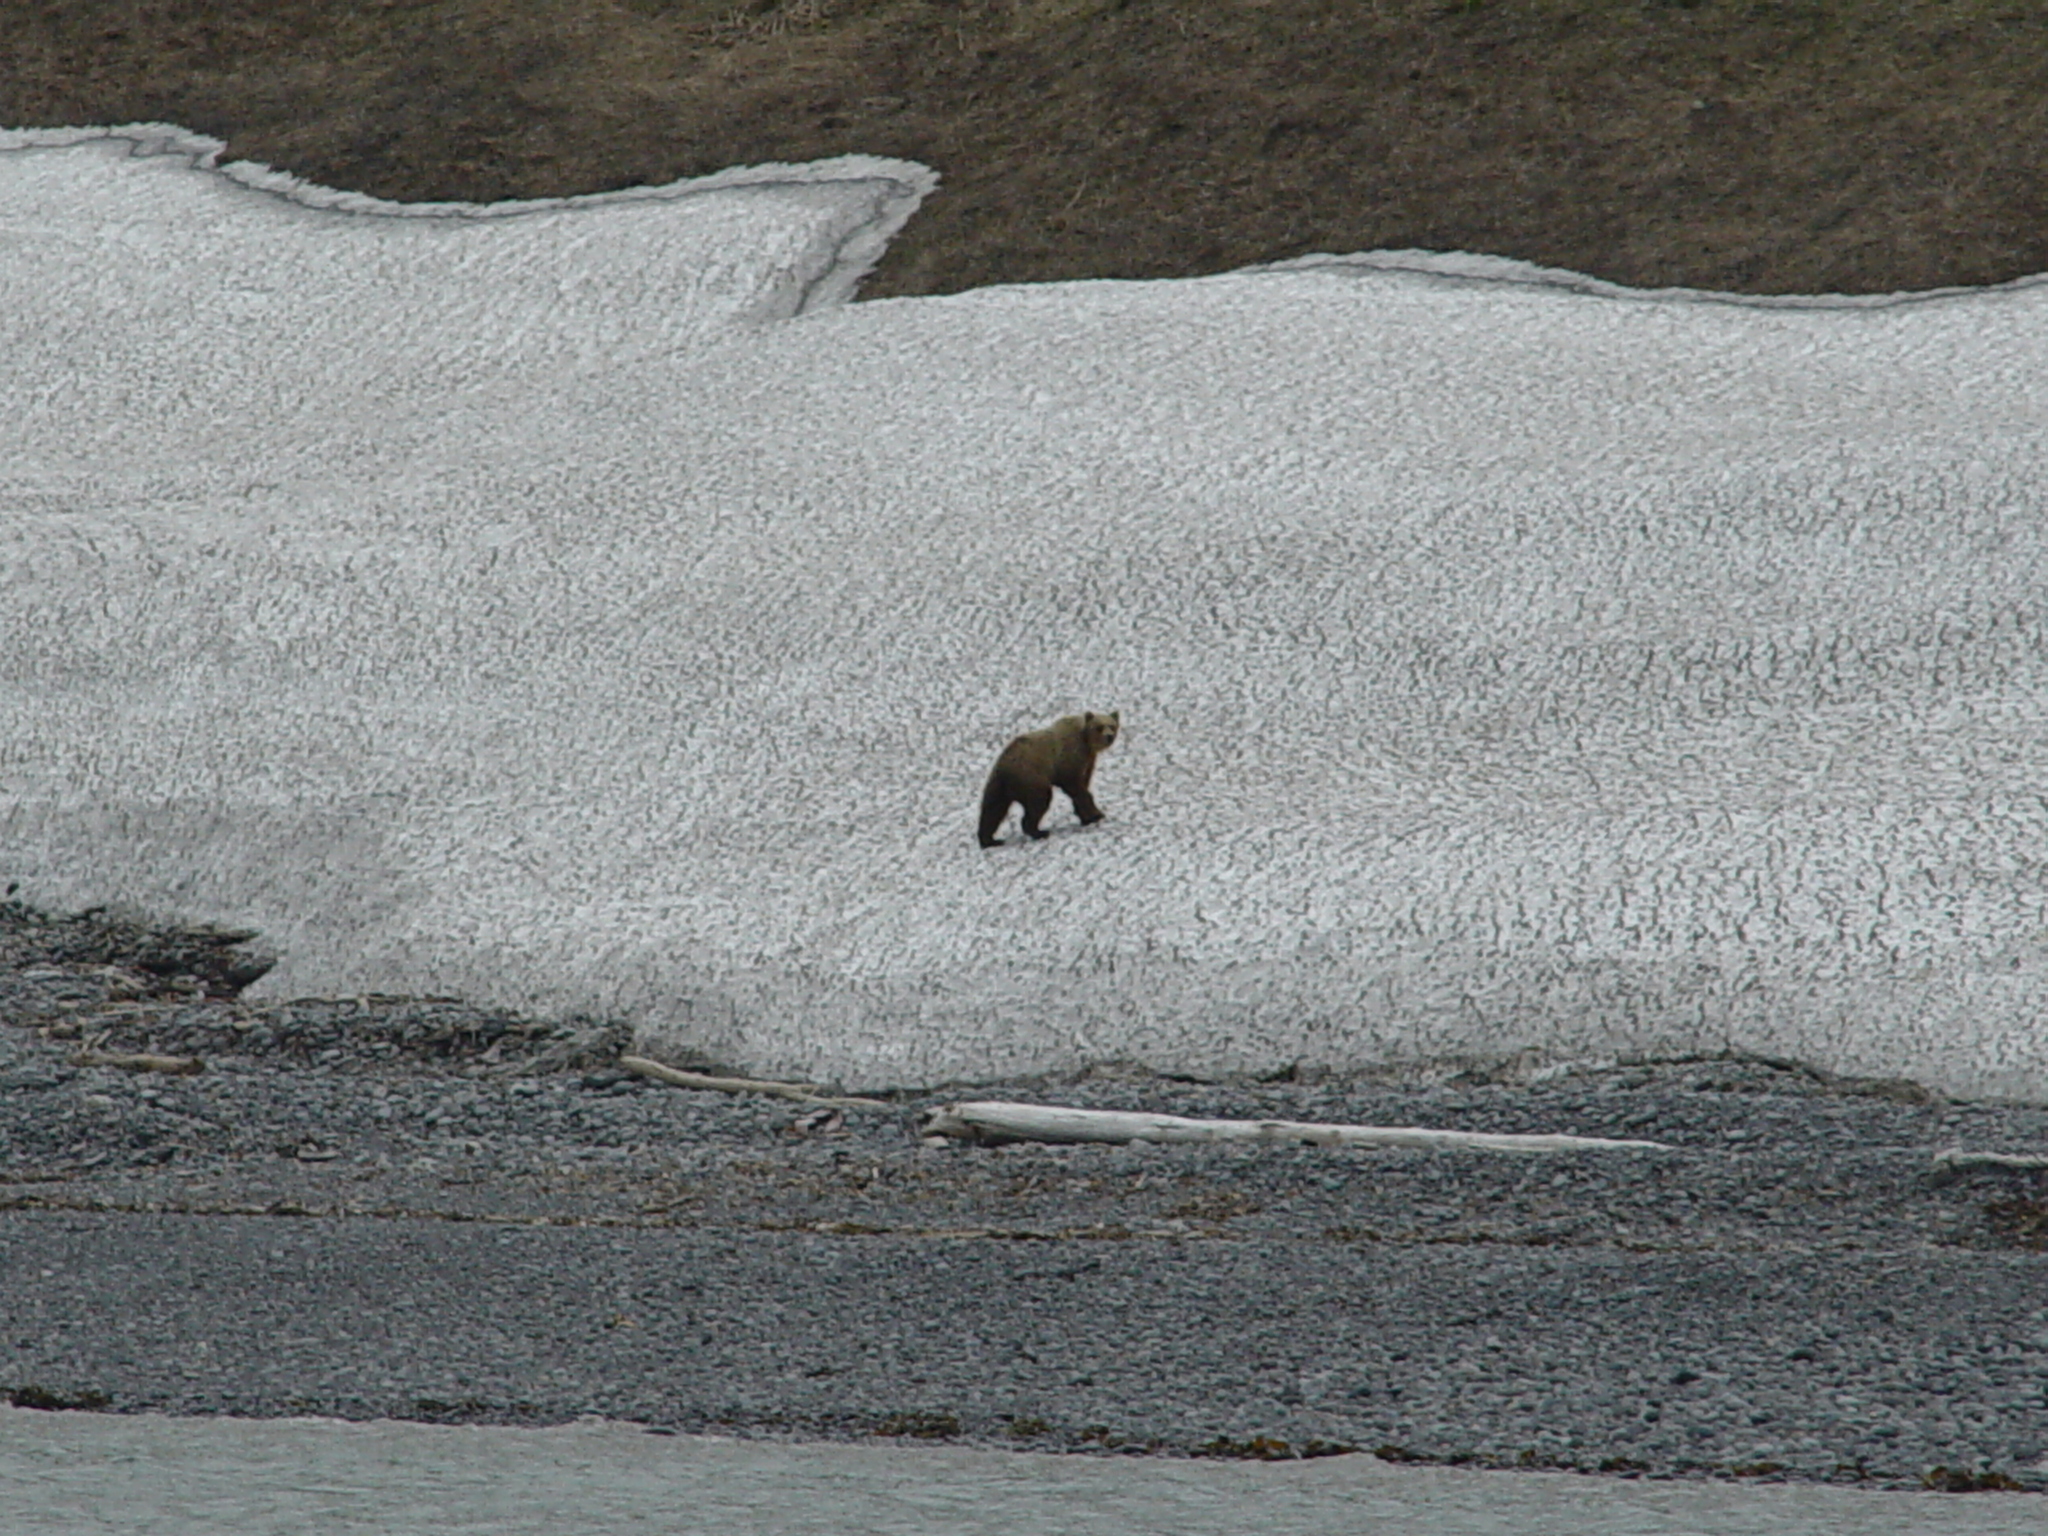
pixel 1809 146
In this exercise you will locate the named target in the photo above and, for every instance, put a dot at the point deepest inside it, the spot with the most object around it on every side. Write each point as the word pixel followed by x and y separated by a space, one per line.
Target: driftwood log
pixel 1954 1162
pixel 803 1093
pixel 989 1121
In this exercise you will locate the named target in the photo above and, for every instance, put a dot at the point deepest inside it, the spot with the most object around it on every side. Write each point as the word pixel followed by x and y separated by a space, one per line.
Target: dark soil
pixel 1807 146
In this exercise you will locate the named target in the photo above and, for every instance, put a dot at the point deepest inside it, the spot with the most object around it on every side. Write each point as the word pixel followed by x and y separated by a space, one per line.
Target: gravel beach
pixel 413 1208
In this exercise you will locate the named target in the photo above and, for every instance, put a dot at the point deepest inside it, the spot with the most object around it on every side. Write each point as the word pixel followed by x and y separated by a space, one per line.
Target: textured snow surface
pixel 576 606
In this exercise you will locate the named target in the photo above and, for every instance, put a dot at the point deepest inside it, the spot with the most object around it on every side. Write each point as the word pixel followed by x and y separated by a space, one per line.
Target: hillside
pixel 1854 146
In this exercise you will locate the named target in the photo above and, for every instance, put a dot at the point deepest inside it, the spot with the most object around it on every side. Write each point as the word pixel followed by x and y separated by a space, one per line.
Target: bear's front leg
pixel 1036 803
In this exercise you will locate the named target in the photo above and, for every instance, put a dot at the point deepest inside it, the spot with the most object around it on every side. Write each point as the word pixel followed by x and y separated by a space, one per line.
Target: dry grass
pixel 1836 145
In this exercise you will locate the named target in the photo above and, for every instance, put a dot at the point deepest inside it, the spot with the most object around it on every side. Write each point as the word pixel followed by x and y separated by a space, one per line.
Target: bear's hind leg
pixel 995 805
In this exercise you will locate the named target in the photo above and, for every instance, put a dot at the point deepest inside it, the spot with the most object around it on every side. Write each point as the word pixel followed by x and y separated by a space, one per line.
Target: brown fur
pixel 1062 757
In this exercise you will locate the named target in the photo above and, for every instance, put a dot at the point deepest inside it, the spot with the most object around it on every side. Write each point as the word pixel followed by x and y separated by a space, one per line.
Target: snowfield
pixel 579 606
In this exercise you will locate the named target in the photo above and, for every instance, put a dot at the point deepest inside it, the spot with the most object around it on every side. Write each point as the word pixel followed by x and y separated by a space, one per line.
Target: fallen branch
pixel 801 1092
pixel 176 1066
pixel 999 1122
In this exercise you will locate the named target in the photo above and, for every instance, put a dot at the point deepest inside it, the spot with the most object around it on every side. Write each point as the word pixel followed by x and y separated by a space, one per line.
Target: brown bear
pixel 1062 756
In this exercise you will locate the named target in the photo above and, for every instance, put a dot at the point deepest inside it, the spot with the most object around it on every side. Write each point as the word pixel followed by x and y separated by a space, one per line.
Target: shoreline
pixel 408 1208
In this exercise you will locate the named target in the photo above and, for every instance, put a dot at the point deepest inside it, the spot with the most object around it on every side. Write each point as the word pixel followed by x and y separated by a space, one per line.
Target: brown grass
pixel 1836 145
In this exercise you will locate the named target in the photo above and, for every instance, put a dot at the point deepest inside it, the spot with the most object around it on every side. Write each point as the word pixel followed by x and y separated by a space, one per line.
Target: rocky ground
pixel 416 1208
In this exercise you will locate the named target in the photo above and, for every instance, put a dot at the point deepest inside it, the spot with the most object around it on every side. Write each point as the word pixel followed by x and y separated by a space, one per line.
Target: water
pixel 99 1475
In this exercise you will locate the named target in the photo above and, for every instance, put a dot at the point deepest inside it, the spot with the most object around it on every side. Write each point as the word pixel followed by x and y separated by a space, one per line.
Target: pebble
pixel 1790 1287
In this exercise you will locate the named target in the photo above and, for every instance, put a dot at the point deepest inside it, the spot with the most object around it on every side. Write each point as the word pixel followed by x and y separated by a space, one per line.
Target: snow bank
pixel 519 605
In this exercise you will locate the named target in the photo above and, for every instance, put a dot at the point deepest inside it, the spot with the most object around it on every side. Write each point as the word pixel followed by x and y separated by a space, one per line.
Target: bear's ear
pixel 1087 718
